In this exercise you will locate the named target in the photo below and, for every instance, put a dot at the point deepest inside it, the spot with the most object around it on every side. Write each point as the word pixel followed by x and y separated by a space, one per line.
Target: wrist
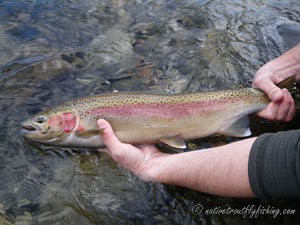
pixel 154 167
pixel 178 169
pixel 276 71
pixel 287 64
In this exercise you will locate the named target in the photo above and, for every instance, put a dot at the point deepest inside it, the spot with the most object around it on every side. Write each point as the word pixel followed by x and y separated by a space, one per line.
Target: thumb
pixel 274 93
pixel 108 136
pixel 125 154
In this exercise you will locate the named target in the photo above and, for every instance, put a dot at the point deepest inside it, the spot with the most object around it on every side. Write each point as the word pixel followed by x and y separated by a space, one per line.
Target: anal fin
pixel 239 128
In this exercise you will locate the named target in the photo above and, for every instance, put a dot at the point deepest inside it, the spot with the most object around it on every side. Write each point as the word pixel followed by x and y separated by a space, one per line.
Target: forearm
pixel 220 171
pixel 285 65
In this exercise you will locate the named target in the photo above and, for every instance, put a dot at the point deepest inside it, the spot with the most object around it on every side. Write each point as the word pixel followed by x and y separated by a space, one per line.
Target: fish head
pixel 49 127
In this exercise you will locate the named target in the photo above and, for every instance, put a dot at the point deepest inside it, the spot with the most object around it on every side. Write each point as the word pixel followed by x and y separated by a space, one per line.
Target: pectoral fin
pixel 239 128
pixel 89 133
pixel 175 141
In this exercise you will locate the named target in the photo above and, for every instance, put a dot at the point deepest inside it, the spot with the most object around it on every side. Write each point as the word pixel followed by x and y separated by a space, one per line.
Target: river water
pixel 52 51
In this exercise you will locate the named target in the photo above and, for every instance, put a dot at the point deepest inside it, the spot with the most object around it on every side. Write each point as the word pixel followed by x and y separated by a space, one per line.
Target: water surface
pixel 52 51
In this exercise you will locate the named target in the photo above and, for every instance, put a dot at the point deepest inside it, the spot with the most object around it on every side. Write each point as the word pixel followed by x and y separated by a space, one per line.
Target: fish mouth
pixel 28 127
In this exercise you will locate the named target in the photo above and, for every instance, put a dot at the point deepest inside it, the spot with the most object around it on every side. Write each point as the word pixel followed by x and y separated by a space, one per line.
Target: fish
pixel 144 117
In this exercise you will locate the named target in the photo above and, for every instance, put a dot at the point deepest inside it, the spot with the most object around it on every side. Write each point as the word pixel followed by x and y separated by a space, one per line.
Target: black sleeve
pixel 274 165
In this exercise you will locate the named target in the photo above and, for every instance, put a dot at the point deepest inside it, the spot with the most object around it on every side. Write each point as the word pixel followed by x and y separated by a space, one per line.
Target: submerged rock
pixel 290 34
pixel 109 48
pixel 25 219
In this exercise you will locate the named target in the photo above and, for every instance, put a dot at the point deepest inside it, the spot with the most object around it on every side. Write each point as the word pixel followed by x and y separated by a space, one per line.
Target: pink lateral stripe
pixel 165 110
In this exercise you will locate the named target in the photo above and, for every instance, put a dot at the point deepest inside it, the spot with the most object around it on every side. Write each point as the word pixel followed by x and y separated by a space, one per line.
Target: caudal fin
pixel 289 83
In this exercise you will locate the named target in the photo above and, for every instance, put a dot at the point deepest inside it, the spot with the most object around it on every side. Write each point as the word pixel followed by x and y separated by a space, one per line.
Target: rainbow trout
pixel 140 117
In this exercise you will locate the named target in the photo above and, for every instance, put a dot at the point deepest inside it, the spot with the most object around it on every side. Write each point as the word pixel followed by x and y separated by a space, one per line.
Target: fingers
pixel 285 106
pixel 108 136
pixel 291 105
pixel 281 107
pixel 275 94
pixel 270 112
pixel 268 86
pixel 283 111
pixel 119 151
pixel 291 114
pixel 139 159
pixel 125 154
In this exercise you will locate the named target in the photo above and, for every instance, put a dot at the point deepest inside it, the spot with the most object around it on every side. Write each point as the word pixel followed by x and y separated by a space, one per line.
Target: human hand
pixel 138 159
pixel 281 107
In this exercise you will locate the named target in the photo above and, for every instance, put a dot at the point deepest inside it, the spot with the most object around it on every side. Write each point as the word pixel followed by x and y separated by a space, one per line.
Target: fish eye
pixel 40 119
